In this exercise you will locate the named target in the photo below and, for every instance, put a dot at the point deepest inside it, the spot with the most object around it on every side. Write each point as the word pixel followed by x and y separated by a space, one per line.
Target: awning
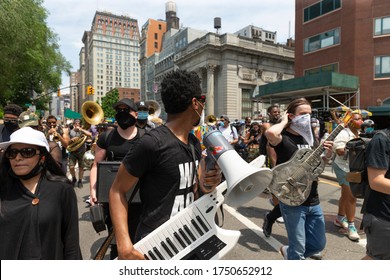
pixel 69 114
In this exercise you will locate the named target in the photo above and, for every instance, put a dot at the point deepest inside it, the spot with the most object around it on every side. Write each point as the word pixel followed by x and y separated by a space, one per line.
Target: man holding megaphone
pixel 167 162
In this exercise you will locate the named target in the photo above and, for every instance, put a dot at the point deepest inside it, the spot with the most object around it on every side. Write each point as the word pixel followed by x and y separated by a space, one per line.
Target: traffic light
pixel 59 93
pixel 90 90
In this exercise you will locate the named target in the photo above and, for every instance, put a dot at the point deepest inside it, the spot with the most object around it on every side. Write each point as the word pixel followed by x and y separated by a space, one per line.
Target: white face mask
pixel 302 125
pixel 201 119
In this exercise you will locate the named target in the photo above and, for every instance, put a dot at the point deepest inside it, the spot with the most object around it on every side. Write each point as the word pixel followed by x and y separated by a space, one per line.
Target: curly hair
pixel 177 90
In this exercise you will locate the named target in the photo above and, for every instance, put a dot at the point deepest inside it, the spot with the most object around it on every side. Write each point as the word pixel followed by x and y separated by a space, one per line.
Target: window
pixel 382 26
pixel 382 67
pixel 155 36
pixel 155 45
pixel 324 68
pixel 323 40
pixel 320 8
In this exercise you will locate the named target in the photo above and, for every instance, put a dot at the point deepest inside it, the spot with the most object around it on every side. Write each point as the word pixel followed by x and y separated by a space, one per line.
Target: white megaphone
pixel 244 181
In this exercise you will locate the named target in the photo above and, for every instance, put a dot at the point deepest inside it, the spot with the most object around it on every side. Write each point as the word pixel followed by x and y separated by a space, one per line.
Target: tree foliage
pixel 30 58
pixel 107 101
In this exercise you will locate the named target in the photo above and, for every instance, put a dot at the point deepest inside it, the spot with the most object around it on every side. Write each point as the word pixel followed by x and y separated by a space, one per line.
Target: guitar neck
pixel 320 149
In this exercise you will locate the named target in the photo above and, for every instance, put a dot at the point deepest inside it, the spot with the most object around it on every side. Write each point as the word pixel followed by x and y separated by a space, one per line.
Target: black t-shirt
pixel 115 145
pixel 378 156
pixel 166 168
pixel 285 150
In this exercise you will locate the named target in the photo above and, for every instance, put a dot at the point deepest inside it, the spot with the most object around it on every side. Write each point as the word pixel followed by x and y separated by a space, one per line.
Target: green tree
pixel 30 58
pixel 107 101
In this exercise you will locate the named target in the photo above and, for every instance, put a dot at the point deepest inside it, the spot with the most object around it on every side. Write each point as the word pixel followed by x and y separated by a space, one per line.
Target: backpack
pixel 357 177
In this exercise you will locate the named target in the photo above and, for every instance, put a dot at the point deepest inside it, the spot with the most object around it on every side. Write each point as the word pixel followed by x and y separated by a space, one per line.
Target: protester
pixel 158 161
pixel 38 213
pixel 228 131
pixel 143 116
pixel 376 220
pixel 29 119
pixel 305 223
pixel 59 135
pixel 113 145
pixel 76 156
pixel 11 118
pixel 347 202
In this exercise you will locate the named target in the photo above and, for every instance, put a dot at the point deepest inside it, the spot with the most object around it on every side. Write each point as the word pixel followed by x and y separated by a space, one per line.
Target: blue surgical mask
pixel 221 123
pixel 142 115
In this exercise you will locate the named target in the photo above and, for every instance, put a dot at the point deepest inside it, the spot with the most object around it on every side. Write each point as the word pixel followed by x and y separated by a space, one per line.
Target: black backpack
pixel 357 177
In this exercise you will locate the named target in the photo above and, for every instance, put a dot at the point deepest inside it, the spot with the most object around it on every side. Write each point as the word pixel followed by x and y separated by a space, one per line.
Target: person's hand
pixel 328 145
pixel 212 178
pixel 284 117
pixel 131 254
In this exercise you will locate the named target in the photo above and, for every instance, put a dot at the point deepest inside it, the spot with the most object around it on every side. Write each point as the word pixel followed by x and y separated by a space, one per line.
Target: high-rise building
pixel 346 36
pixel 150 44
pixel 111 55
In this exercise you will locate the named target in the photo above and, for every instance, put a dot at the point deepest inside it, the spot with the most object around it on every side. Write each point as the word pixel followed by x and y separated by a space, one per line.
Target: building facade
pixel 111 54
pixel 346 36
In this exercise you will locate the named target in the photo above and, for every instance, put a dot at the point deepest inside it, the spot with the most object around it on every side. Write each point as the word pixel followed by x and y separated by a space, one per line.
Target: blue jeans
pixel 305 227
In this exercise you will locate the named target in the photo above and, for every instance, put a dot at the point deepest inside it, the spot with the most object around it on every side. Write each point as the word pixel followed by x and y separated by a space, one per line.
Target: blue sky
pixel 70 18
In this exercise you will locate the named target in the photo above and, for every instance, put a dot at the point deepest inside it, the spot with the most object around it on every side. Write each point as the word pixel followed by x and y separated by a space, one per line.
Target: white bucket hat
pixel 27 135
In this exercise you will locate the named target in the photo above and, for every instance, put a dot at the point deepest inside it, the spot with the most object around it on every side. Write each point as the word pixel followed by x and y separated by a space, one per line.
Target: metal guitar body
pixel 291 182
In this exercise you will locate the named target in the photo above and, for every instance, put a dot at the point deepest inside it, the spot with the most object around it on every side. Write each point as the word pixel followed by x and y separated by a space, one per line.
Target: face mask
pixel 201 118
pixel 302 125
pixel 11 126
pixel 221 123
pixel 34 172
pixel 143 115
pixel 124 119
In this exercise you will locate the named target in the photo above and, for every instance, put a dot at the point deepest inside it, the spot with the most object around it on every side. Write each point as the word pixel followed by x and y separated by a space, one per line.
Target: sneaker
pixel 343 223
pixel 317 256
pixel 267 226
pixel 79 184
pixel 280 220
pixel 283 252
pixel 353 234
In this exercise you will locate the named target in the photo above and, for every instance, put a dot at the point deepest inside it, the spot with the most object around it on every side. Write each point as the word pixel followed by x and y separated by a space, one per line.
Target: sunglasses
pixel 127 110
pixel 201 98
pixel 25 152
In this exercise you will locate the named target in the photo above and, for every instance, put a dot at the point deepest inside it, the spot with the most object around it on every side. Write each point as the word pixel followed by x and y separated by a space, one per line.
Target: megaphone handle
pixel 210 164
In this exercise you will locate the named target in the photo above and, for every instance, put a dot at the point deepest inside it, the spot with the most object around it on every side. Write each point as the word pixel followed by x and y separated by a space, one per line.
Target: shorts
pixel 378 234
pixel 76 157
pixel 341 175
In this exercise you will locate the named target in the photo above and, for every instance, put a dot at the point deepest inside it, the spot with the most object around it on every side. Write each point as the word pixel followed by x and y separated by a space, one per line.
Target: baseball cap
pixel 27 135
pixel 226 118
pixel 28 118
pixel 125 101
pixel 142 104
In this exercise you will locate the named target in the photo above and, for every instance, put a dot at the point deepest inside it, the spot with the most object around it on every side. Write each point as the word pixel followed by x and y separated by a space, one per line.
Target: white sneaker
pixel 280 220
pixel 353 234
pixel 283 252
pixel 343 223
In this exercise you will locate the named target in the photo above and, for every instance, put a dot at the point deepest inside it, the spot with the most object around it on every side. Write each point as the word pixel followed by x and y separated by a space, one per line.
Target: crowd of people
pixel 166 165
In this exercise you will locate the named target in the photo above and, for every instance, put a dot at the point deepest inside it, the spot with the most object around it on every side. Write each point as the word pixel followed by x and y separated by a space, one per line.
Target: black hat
pixel 142 104
pixel 125 101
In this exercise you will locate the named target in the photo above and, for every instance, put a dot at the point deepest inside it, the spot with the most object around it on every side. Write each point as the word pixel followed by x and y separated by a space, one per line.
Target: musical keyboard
pixel 192 233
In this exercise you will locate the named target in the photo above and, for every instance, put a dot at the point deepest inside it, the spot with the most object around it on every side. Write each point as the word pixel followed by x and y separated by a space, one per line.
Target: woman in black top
pixel 38 206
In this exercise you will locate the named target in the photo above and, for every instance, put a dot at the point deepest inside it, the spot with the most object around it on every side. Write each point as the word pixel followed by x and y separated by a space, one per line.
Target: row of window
pixel 320 8
pixel 382 67
pixel 332 37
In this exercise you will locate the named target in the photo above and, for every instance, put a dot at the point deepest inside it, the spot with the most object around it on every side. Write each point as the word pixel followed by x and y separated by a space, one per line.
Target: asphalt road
pixel 248 219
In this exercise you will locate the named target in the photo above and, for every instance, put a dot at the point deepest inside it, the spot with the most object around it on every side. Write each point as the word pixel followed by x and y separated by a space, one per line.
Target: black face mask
pixel 11 126
pixel 34 172
pixel 124 119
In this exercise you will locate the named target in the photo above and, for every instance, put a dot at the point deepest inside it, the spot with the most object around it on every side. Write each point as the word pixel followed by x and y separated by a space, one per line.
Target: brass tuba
pixel 154 109
pixel 211 120
pixel 93 114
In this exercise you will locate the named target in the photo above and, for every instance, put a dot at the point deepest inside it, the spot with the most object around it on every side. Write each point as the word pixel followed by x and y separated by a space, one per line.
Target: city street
pixel 248 219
